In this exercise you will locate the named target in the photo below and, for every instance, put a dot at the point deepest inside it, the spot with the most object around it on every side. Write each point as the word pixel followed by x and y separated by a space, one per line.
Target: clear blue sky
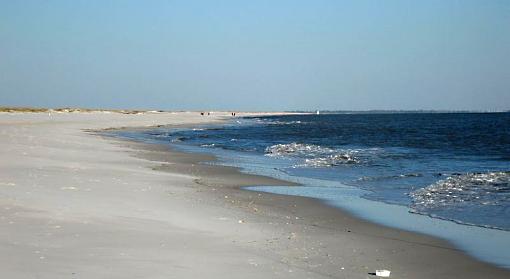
pixel 256 55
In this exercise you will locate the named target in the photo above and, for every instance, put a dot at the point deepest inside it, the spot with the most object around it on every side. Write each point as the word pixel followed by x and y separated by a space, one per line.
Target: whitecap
pixel 208 145
pixel 296 149
pixel 474 189
pixel 319 156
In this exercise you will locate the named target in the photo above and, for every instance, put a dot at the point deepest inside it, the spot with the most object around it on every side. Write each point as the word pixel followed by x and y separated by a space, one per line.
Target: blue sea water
pixel 453 168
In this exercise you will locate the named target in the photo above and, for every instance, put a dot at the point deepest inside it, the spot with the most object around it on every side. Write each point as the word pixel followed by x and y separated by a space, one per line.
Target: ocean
pixel 441 173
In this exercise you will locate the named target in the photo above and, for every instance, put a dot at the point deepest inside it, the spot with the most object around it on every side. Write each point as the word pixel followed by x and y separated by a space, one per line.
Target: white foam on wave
pixel 296 149
pixel 479 189
pixel 278 122
pixel 315 155
pixel 284 122
pixel 208 145
pixel 332 160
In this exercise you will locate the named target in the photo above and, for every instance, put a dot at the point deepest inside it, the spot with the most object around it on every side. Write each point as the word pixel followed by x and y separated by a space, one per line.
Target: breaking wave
pixel 331 160
pixel 284 122
pixel 277 122
pixel 481 188
pixel 463 191
pixel 318 156
pixel 296 149
pixel 208 145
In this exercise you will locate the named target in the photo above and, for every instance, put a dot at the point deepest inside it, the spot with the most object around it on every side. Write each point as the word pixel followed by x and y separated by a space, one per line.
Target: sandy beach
pixel 75 204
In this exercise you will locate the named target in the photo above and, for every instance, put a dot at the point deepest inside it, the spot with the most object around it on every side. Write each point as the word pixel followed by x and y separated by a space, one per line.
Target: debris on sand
pixel 382 273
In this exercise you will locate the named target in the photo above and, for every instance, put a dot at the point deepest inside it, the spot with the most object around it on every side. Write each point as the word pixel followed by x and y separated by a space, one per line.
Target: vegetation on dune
pixel 66 109
pixel 22 109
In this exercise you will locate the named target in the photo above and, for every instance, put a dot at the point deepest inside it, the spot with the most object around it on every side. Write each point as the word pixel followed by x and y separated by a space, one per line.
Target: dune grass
pixel 66 109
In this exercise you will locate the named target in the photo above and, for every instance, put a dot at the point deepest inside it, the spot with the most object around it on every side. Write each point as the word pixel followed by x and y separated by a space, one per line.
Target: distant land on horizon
pixel 374 111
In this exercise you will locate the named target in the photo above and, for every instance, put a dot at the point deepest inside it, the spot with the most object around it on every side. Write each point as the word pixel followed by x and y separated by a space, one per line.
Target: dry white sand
pixel 75 205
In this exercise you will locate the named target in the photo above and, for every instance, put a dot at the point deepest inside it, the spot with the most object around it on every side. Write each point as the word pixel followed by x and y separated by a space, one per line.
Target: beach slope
pixel 77 205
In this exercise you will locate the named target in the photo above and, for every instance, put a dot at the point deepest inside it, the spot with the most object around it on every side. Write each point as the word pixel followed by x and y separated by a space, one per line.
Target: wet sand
pixel 77 205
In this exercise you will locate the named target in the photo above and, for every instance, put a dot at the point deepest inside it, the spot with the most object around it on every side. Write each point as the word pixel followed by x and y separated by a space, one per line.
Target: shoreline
pixel 234 180
pixel 78 205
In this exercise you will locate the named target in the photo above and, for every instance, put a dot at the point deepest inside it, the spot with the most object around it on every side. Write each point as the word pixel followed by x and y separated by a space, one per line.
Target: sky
pixel 256 55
